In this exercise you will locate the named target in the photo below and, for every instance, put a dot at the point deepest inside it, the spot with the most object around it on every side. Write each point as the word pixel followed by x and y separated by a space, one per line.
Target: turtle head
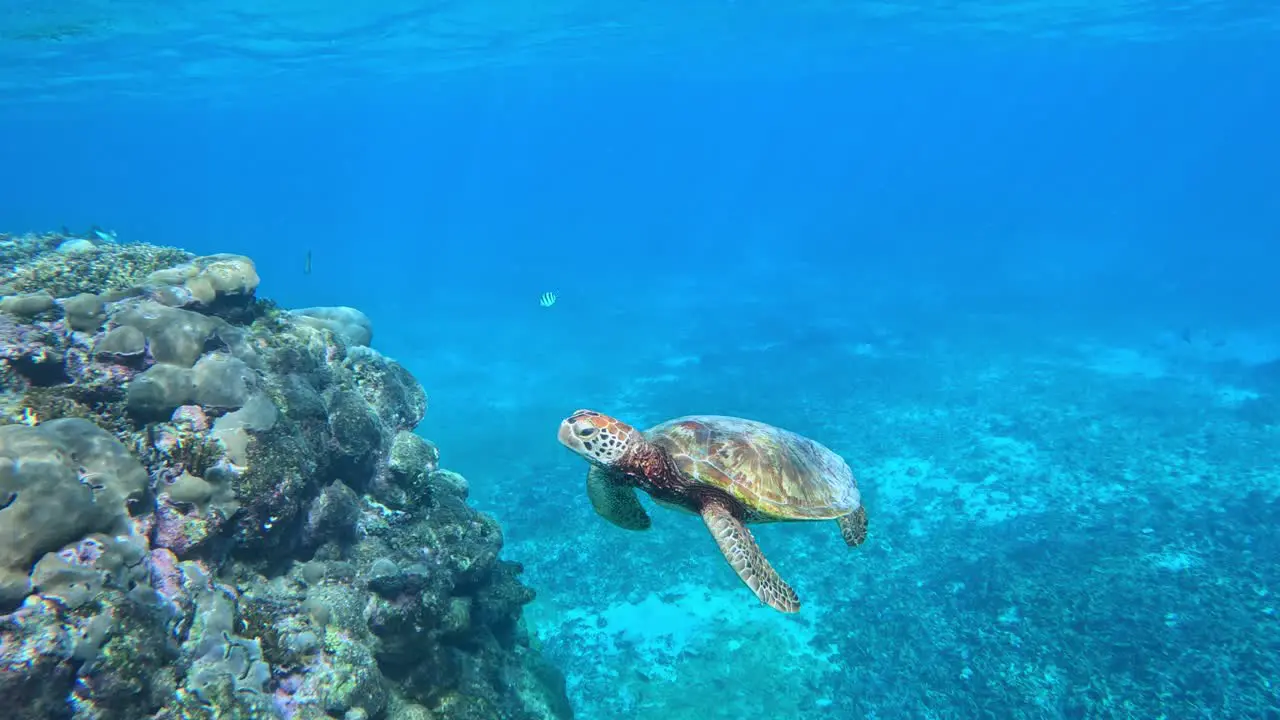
pixel 598 438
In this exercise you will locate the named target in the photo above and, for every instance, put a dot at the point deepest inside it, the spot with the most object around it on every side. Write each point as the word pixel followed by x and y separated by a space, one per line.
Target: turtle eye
pixel 586 432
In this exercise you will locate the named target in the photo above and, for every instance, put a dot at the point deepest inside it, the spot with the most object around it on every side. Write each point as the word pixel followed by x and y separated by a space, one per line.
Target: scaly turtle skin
pixel 730 471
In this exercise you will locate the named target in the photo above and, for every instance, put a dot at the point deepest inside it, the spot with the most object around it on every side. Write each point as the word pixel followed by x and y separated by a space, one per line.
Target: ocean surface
pixel 1017 262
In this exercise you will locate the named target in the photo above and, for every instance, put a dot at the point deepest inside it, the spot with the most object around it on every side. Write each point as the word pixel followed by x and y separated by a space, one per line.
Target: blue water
pixel 1017 264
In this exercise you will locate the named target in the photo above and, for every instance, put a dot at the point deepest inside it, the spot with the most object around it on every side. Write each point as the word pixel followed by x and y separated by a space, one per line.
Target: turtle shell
pixel 774 473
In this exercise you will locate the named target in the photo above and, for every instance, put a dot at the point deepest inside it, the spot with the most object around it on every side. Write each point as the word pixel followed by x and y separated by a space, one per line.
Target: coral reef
pixel 214 508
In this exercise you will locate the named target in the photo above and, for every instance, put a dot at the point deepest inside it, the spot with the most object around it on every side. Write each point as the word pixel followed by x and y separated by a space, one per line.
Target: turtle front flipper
pixel 853 527
pixel 615 502
pixel 744 556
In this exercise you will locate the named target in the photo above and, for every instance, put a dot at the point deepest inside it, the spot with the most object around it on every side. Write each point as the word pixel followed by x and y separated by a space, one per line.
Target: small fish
pixel 104 235
pixel 306 265
pixel 547 300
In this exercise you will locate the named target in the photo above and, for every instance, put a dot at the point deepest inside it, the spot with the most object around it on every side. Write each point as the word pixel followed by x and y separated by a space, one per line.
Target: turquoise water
pixel 1015 262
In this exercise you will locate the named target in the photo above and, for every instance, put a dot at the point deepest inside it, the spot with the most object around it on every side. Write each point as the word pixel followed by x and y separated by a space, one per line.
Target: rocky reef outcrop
pixel 211 507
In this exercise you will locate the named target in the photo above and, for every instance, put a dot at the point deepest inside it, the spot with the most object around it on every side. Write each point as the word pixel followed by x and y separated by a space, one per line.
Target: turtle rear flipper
pixel 853 527
pixel 615 502
pixel 744 556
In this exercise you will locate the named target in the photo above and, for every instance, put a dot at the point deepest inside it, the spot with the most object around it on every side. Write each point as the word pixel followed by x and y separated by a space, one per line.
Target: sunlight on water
pixel 175 48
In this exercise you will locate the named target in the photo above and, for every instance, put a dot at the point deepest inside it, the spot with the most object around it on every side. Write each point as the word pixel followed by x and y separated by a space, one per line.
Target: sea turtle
pixel 730 471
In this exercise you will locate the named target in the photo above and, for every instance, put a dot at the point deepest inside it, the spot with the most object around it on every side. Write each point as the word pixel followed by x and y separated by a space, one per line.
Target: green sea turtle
pixel 728 470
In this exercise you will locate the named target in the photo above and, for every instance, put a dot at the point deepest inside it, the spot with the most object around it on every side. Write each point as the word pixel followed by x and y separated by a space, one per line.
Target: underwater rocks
pixel 214 508
pixel 347 323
